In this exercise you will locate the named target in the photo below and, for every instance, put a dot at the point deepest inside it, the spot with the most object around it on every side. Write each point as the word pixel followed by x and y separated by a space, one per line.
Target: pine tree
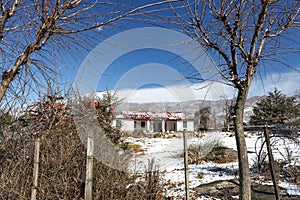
pixel 106 116
pixel 276 108
pixel 103 108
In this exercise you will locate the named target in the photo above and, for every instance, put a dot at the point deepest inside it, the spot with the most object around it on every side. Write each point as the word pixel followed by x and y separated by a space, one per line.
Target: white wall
pixel 179 125
pixel 190 126
pixel 127 125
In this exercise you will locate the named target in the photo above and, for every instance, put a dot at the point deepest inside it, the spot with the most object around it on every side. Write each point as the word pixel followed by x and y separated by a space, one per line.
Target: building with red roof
pixel 154 121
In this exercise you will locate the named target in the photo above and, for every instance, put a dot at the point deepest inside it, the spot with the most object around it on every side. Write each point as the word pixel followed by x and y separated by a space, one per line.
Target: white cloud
pixel 173 93
pixel 286 82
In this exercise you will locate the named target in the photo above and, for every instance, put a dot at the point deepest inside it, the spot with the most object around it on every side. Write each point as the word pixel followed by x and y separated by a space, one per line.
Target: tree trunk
pixel 244 173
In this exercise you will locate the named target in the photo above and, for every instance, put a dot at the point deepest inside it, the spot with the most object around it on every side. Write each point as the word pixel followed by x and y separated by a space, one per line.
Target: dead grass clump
pixel 210 151
pixel 136 148
pixel 221 154
pixel 138 133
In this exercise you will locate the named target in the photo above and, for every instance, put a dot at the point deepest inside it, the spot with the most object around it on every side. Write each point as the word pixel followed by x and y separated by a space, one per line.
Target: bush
pixel 221 154
pixel 210 150
pixel 62 168
pixel 286 167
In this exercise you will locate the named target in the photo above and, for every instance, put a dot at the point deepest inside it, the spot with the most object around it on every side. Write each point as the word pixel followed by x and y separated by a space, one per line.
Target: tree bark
pixel 244 172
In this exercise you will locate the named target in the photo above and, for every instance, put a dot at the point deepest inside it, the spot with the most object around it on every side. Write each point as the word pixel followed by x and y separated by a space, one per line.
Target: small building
pixel 154 121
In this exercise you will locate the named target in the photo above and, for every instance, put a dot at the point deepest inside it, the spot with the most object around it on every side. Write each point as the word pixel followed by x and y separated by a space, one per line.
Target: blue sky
pixel 144 58
pixel 154 57
pixel 153 75
pixel 150 74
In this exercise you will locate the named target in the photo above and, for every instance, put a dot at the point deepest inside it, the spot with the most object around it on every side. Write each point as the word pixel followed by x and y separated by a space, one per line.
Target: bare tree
pixel 205 113
pixel 243 35
pixel 228 106
pixel 38 37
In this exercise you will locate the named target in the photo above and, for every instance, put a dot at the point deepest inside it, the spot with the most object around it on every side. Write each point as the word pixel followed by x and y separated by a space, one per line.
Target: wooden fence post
pixel 271 162
pixel 89 169
pixel 35 167
pixel 186 167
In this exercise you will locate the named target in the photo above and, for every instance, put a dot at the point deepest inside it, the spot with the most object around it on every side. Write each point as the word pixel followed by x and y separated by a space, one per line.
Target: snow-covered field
pixel 166 153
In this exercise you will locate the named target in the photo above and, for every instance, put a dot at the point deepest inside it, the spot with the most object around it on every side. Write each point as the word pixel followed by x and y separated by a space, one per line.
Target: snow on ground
pixel 167 154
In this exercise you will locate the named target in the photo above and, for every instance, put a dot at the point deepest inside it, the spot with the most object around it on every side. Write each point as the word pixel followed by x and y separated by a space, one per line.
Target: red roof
pixel 174 116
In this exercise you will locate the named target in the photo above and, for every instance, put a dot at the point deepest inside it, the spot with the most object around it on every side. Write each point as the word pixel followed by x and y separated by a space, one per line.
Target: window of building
pixel 143 124
pixel 184 125
pixel 134 124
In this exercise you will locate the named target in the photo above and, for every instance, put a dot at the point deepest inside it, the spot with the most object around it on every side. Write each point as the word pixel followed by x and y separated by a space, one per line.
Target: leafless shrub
pixel 149 187
pixel 62 169
pixel 62 163
pixel 17 160
pixel 153 182
pixel 259 162
pixel 284 143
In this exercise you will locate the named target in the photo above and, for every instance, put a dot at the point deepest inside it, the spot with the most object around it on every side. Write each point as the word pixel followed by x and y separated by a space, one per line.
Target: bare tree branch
pixel 34 29
pixel 6 13
pixel 241 35
pixel 115 18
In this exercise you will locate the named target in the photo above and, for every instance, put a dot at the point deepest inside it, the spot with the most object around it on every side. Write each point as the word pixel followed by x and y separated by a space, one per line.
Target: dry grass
pixel 136 148
pixel 212 151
